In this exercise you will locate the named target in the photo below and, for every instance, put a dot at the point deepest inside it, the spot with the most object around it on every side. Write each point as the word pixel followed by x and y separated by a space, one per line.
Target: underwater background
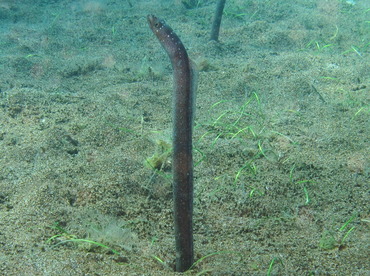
pixel 281 137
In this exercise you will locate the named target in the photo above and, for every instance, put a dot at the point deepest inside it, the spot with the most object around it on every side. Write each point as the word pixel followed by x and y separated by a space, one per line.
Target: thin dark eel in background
pixel 182 163
pixel 217 20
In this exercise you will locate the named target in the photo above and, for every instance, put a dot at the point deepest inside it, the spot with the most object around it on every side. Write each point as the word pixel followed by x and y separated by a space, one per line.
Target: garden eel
pixel 184 76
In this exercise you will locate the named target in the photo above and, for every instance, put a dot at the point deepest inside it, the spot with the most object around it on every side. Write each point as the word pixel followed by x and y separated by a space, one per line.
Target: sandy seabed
pixel 281 139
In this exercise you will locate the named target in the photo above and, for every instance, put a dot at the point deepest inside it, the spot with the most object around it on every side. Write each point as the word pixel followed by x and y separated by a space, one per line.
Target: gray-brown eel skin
pixel 182 163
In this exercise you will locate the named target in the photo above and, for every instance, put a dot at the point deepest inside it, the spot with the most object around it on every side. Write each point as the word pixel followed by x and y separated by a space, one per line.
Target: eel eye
pixel 159 24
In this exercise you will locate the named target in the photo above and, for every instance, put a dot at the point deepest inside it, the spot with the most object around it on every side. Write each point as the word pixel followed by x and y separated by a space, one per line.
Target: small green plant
pixel 239 123
pixel 249 166
pixel 233 122
pixel 353 49
pixel 330 240
pixel 317 46
pixel 160 160
pixel 364 109
pixel 64 237
pixel 303 183
pixel 156 258
pixel 200 260
pixel 273 263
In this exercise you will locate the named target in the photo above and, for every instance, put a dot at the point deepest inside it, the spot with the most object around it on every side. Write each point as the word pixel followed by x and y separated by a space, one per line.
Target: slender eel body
pixel 182 163
pixel 217 20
